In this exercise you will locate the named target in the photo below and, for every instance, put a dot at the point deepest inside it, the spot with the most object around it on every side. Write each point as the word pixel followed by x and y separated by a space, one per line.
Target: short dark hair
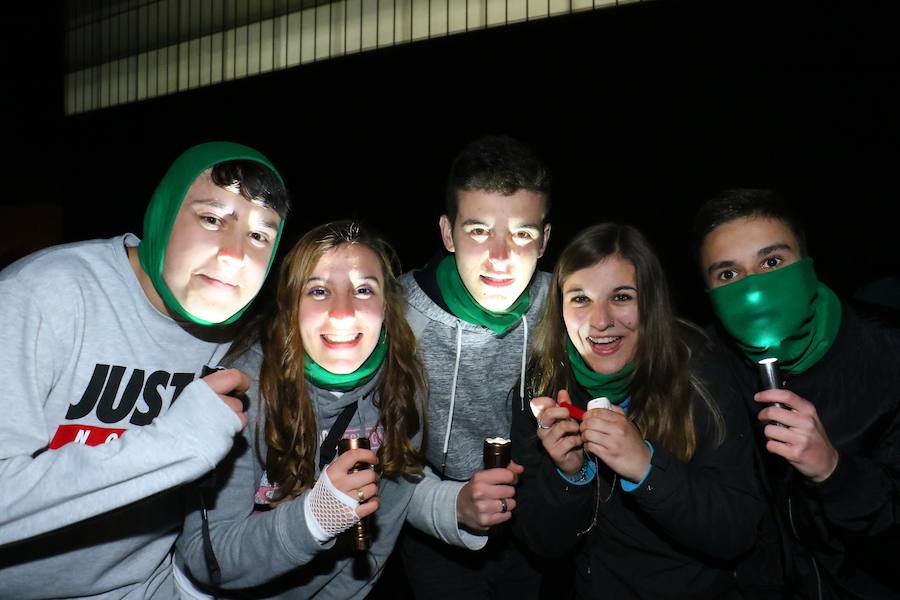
pixel 499 164
pixel 737 203
pixel 255 182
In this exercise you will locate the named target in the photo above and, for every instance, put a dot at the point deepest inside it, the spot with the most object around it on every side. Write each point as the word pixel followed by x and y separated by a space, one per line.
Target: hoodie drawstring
pixel 522 375
pixel 452 395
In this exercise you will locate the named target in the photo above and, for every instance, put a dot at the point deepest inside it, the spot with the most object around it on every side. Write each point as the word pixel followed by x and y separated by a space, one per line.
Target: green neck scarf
pixel 786 314
pixel 349 381
pixel 165 204
pixel 614 387
pixel 463 305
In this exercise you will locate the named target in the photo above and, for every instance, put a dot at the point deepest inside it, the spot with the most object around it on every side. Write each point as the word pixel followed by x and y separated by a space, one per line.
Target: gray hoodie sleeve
pixel 67 485
pixel 251 547
pixel 433 510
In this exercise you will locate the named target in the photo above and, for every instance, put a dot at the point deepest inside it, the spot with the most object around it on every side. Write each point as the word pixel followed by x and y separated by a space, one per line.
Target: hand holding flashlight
pixel 488 498
pixel 796 434
pixel 361 475
pixel 794 431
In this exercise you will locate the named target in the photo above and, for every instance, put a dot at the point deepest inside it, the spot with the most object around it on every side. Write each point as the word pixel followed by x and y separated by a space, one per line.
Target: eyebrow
pixel 759 253
pixel 363 278
pixel 468 222
pixel 533 226
pixel 213 203
pixel 616 289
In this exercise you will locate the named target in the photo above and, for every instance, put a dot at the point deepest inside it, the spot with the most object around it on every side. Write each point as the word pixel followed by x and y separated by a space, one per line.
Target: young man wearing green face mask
pixel 471 310
pixel 829 440
pixel 103 337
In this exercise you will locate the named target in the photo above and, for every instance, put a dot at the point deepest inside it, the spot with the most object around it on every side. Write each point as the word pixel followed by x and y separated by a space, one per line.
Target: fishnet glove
pixel 328 510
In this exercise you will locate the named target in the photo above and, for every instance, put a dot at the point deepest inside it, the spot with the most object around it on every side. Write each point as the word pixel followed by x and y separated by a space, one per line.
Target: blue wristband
pixel 584 476
pixel 630 487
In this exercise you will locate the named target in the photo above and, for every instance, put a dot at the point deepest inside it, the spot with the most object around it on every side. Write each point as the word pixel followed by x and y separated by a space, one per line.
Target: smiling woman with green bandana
pixel 828 440
pixel 336 360
pixel 672 437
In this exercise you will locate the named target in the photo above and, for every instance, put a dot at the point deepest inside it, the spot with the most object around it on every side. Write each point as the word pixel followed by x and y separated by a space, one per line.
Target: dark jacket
pixel 839 539
pixel 678 535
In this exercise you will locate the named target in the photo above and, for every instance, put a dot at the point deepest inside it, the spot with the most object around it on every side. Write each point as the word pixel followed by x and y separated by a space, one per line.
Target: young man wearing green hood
pixel 471 311
pixel 103 336
pixel 829 441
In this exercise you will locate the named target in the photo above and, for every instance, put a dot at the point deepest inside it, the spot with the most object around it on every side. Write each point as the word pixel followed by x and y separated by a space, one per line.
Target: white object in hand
pixel 598 403
pixel 536 409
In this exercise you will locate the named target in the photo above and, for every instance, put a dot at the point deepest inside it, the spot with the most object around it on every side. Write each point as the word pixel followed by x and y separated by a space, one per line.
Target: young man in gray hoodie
pixel 102 337
pixel 471 311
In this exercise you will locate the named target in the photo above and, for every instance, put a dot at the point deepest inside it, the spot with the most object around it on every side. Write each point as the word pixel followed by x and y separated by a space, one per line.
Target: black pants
pixel 503 569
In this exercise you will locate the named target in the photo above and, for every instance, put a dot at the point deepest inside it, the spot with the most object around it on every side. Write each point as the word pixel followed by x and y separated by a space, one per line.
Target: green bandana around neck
pixel 615 387
pixel 165 204
pixel 463 305
pixel 327 380
pixel 786 313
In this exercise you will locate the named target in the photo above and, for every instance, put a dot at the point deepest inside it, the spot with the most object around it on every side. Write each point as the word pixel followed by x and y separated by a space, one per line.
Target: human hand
pixel 795 433
pixel 229 384
pixel 559 433
pixel 362 484
pixel 611 437
pixel 488 498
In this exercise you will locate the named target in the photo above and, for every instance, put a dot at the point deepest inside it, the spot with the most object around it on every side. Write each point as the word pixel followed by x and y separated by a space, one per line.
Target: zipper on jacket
pixel 812 558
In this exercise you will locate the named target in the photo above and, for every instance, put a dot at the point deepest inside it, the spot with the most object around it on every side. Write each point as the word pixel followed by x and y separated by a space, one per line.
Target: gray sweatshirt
pixel 471 371
pixel 253 547
pixel 91 439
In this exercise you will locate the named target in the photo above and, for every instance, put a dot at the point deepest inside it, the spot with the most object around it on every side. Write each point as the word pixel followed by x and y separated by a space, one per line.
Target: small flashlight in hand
pixel 770 378
pixel 497 453
pixel 362 538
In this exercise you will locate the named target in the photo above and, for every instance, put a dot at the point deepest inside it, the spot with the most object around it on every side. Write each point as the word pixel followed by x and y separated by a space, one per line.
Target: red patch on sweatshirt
pixel 88 435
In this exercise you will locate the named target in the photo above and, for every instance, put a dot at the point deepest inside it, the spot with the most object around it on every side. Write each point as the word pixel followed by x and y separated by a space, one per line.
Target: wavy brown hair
pixel 290 425
pixel 662 383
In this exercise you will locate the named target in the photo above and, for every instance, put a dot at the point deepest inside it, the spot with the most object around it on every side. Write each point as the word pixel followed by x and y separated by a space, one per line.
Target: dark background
pixel 642 111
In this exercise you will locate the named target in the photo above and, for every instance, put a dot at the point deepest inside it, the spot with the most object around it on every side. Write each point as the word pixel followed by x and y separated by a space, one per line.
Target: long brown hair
pixel 661 384
pixel 290 429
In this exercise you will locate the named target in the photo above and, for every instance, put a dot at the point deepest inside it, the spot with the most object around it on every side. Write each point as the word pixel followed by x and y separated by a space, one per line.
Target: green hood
pixel 165 204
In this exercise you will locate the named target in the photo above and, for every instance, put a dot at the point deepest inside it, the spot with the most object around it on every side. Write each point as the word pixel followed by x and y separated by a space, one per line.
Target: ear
pixel 545 238
pixel 447 233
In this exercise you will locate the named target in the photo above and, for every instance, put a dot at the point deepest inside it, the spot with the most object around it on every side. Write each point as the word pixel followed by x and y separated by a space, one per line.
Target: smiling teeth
pixel 349 337
pixel 604 340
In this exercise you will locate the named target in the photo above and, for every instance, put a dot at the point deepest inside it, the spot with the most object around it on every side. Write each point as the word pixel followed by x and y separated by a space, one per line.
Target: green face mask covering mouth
pixel 785 314
pixel 165 204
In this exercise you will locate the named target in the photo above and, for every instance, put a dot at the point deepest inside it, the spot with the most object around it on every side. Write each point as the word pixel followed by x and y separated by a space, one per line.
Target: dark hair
pixel 291 432
pixel 661 385
pixel 737 203
pixel 499 164
pixel 255 182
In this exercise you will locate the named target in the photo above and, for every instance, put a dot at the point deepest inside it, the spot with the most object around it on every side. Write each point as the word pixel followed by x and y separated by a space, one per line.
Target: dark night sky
pixel 642 112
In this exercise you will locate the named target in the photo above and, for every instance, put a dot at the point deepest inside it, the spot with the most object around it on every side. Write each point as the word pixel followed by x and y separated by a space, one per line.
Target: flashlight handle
pixel 496 455
pixel 770 379
pixel 362 539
